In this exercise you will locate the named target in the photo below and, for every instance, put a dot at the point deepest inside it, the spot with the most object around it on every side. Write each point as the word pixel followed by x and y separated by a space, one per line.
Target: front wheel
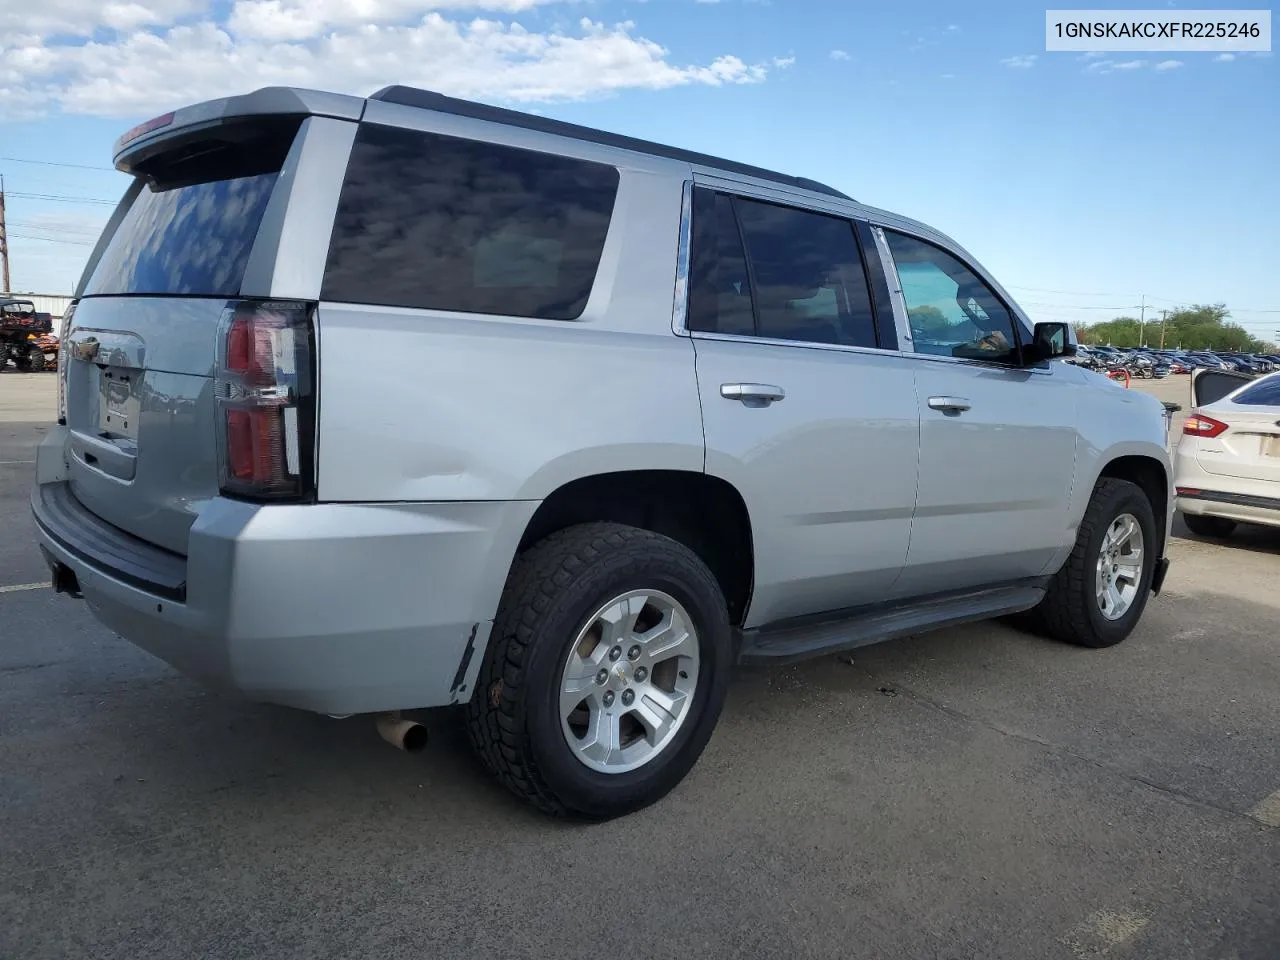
pixel 606 671
pixel 1098 596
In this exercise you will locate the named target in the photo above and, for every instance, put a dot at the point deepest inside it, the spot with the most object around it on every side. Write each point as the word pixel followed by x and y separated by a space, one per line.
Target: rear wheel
pixel 606 672
pixel 1202 526
pixel 1098 596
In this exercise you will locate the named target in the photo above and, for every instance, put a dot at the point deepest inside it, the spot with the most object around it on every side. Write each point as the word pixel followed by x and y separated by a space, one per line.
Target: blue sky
pixel 1084 183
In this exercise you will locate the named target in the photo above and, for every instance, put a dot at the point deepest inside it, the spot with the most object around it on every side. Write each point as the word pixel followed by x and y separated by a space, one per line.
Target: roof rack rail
pixel 429 100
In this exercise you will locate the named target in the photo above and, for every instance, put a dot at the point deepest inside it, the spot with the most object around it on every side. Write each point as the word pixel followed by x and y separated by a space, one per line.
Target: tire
pixel 1217 527
pixel 552 596
pixel 1070 610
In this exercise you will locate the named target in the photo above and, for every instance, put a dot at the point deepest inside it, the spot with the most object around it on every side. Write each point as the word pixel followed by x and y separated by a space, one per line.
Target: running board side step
pixel 795 640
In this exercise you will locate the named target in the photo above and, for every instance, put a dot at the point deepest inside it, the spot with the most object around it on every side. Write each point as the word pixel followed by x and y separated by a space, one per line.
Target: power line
pixel 62 199
pixel 74 243
pixel 57 163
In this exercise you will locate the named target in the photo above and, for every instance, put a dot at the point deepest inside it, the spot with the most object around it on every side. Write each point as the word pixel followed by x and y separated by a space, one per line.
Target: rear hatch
pixel 142 340
pixel 1249 447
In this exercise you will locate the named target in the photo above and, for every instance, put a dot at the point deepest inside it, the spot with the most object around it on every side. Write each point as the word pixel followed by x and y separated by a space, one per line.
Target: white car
pixel 1227 468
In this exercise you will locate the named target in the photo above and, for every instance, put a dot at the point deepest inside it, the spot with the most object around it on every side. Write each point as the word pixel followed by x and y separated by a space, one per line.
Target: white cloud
pixel 1022 61
pixel 840 55
pixel 300 19
pixel 783 62
pixel 1091 55
pixel 952 28
pixel 1224 58
pixel 81 18
pixel 1129 65
pixel 140 71
pixel 1169 64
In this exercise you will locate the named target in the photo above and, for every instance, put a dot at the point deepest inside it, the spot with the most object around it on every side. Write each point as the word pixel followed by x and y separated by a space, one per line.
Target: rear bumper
pixel 334 608
pixel 1202 493
pixel 1244 508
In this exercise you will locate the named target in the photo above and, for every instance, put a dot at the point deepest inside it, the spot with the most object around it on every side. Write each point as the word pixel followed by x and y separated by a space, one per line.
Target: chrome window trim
pixel 800 344
pixel 680 309
pixel 901 319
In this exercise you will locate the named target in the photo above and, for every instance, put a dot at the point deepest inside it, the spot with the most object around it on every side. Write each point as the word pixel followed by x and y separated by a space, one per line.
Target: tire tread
pixel 1064 612
pixel 498 731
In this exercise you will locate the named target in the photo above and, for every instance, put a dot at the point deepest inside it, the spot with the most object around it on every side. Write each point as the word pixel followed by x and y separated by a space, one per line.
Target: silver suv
pixel 373 405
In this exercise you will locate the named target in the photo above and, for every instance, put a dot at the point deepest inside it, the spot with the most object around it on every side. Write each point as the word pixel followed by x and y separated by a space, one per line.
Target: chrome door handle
pixel 949 404
pixel 752 394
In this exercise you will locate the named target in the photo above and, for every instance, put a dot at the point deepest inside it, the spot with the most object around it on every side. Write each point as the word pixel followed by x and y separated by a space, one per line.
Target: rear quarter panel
pixel 419 405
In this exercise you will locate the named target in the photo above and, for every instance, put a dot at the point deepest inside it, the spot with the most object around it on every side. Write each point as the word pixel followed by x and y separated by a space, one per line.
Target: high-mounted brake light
pixel 266 408
pixel 1198 425
pixel 144 128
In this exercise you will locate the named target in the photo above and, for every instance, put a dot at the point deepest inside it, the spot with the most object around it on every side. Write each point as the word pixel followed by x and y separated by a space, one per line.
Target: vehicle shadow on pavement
pixel 1254 538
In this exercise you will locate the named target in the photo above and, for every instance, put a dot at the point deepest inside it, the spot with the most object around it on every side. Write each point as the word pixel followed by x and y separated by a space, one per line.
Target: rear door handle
pixel 949 404
pixel 752 394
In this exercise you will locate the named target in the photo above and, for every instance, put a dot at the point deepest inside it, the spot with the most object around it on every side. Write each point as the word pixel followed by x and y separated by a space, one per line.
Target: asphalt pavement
pixel 973 793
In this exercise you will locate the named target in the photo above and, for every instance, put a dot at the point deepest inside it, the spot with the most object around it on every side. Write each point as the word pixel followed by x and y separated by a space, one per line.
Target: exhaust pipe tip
pixel 406 735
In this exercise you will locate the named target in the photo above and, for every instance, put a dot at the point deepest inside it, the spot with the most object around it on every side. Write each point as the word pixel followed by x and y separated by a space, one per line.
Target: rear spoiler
pixel 148 139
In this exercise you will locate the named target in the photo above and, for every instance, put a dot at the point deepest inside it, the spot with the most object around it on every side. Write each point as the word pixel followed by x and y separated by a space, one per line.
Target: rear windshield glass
pixel 1264 393
pixel 441 223
pixel 189 240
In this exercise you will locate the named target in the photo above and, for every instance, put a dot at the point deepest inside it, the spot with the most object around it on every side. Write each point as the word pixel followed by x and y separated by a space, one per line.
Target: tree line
pixel 1199 327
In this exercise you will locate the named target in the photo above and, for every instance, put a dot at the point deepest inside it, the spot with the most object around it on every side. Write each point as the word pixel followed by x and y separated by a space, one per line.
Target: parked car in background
pixel 1227 466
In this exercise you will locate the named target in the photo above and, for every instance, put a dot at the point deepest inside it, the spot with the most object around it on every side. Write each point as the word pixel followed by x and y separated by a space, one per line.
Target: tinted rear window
pixel 1264 393
pixel 442 223
pixel 189 240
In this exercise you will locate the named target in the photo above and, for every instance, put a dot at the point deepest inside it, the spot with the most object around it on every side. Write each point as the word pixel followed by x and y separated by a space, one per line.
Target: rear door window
pixel 805 280
pixel 442 223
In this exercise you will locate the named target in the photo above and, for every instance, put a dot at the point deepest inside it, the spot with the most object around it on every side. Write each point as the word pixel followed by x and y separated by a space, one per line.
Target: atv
pixel 21 330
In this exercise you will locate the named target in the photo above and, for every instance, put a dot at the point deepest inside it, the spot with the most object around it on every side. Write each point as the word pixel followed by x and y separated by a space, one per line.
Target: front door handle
pixel 949 404
pixel 752 394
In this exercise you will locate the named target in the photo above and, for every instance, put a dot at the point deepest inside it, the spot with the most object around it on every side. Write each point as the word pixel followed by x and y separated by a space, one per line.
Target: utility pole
pixel 1142 319
pixel 4 244
pixel 1164 315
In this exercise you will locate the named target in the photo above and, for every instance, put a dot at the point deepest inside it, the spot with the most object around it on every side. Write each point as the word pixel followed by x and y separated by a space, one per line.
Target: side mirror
pixel 1051 340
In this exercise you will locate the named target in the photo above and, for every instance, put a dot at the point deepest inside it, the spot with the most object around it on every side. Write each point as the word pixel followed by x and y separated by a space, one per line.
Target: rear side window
pixel 442 223
pixel 805 281
pixel 192 227
pixel 1264 393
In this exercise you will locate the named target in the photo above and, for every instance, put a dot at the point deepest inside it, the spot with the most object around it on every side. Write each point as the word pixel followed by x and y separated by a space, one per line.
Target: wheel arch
pixel 704 513
pixel 1151 474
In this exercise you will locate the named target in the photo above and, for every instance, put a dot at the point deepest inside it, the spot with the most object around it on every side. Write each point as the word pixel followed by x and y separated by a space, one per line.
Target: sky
pixel 1088 184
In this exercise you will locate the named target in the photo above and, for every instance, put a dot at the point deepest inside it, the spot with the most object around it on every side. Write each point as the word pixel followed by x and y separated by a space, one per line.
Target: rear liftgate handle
pixel 752 394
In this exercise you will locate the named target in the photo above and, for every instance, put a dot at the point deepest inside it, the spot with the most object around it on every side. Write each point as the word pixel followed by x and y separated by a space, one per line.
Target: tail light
pixel 265 384
pixel 62 364
pixel 1198 425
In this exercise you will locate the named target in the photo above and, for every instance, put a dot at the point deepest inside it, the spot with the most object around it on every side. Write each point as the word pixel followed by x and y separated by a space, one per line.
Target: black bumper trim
pixel 106 548
pixel 1238 499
